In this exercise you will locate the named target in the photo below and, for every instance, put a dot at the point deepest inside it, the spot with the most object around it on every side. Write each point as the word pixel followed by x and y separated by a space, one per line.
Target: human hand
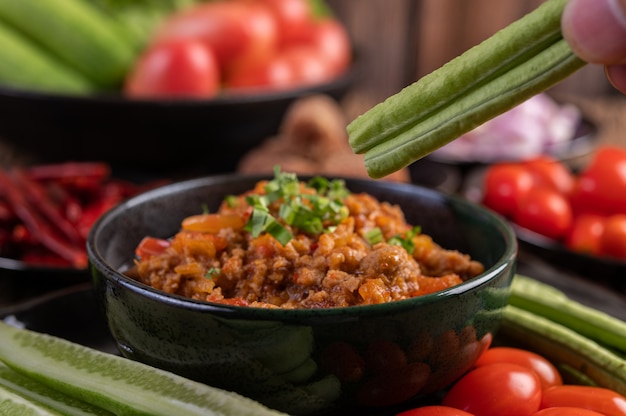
pixel 596 32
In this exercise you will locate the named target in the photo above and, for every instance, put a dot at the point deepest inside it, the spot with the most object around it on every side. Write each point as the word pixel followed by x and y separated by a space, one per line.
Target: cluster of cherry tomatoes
pixel 240 45
pixel 517 382
pixel 585 211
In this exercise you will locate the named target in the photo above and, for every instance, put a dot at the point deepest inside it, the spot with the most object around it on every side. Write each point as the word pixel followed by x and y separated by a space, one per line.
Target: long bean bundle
pixel 522 60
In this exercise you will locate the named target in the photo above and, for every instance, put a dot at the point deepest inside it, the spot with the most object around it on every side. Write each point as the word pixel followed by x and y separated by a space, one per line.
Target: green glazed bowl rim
pixel 506 260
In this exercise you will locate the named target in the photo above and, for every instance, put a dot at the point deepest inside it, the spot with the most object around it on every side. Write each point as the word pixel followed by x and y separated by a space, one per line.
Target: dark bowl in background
pixel 157 135
pixel 604 270
pixel 280 357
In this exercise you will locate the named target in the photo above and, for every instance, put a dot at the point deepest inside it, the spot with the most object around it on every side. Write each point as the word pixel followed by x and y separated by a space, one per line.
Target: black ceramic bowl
pixel 278 356
pixel 163 135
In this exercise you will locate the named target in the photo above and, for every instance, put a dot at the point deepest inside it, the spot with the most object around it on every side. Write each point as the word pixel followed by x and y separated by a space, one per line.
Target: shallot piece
pixel 538 126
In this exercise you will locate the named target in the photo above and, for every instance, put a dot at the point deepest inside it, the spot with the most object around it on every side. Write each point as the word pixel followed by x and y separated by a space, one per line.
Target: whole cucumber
pixel 25 65
pixel 75 32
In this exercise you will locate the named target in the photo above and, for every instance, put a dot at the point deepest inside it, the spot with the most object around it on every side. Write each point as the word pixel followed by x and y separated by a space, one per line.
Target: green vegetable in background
pixel 26 65
pixel 544 300
pixel 81 46
pixel 565 347
pixel 138 18
pixel 584 341
pixel 521 60
pixel 76 33
pixel 113 383
pixel 26 393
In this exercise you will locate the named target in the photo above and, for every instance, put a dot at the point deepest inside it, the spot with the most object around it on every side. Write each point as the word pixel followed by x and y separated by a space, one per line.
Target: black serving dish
pixel 255 351
pixel 604 270
pixel 160 135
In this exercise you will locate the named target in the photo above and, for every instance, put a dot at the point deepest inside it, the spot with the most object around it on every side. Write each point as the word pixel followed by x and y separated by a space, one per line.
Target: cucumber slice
pixel 117 384
pixel 36 392
pixel 16 405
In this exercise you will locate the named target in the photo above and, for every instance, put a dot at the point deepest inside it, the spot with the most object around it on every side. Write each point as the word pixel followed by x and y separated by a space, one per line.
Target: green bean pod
pixel 521 60
pixel 564 346
pixel 544 300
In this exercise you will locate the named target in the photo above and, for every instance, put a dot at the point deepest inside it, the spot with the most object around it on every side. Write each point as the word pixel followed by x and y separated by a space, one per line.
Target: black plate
pixel 20 281
pixel 155 134
pixel 15 269
pixel 607 271
pixel 71 313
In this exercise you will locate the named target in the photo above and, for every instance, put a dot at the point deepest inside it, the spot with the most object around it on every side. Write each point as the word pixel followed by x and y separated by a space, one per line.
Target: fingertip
pixel 595 30
pixel 616 75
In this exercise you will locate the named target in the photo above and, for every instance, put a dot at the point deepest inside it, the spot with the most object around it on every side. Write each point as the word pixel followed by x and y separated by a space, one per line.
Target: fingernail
pixel 595 30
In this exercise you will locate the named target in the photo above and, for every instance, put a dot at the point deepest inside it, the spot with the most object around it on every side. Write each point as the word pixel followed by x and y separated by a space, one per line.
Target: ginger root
pixel 312 140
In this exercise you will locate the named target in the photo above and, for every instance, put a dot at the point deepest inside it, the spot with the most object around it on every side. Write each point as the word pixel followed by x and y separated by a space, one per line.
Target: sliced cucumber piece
pixel 15 405
pixel 115 383
pixel 36 392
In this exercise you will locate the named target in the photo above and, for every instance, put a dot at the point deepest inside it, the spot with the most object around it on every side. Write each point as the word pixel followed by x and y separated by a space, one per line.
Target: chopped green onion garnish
pixel 310 213
pixel 257 221
pixel 337 189
pixel 279 232
pixel 406 241
pixel 212 272
pixel 261 221
pixel 231 201
pixel 374 236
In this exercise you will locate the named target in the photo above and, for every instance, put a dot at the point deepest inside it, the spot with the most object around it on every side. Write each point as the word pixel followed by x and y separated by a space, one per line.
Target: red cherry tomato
pixel 238 32
pixel 434 411
pixel 273 73
pixel 293 19
pixel 495 390
pixel 545 370
pixel 261 37
pixel 613 241
pixel 544 211
pixel 330 38
pixel 566 411
pixel 215 23
pixel 581 196
pixel 505 185
pixel 151 246
pixel 598 399
pixel 601 187
pixel 291 67
pixel 585 234
pixel 308 65
pixel 548 171
pixel 175 68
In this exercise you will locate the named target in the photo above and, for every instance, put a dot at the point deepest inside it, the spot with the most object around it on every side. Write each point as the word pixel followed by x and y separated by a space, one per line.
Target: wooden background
pixel 401 40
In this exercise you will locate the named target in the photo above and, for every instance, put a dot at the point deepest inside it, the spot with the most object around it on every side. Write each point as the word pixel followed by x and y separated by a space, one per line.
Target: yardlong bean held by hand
pixel 521 60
